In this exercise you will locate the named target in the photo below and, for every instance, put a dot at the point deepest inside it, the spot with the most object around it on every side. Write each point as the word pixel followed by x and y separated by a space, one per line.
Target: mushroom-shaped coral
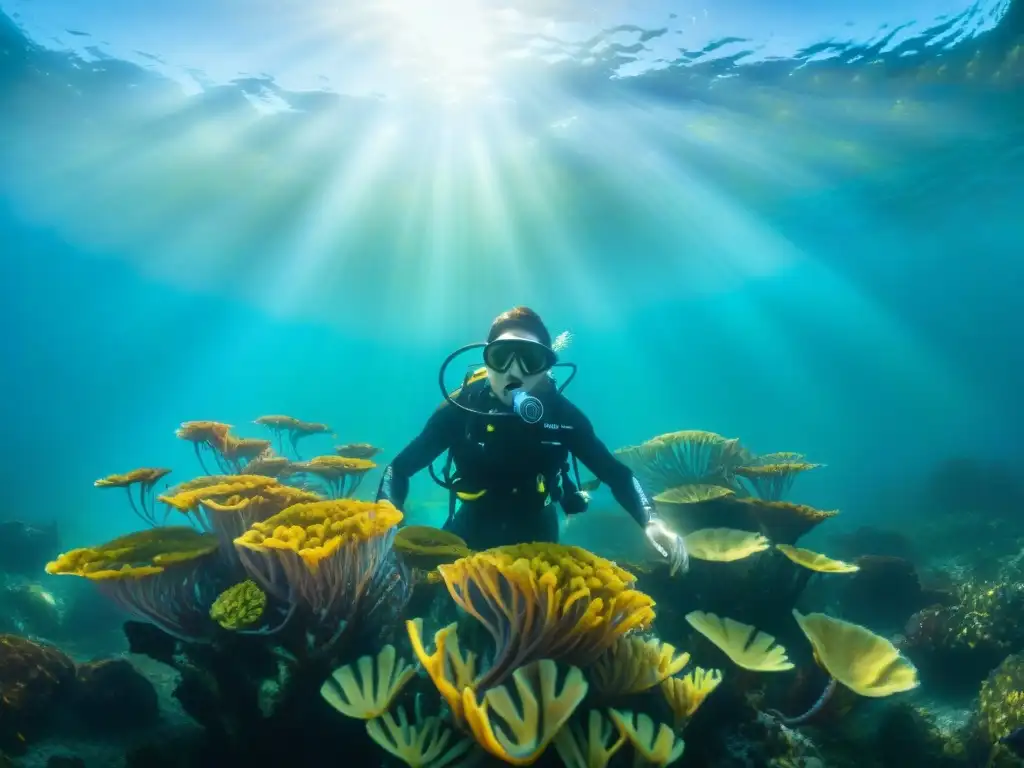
pixel 329 557
pixel 207 437
pixel 773 481
pixel 239 452
pixel 157 575
pixel 239 606
pixel 145 479
pixel 341 476
pixel 815 561
pixel 745 645
pixel 685 694
pixel 590 748
pixel 694 493
pixel 419 746
pixel 784 522
pixel 231 504
pixel 634 664
pixel 367 688
pixel 659 747
pixel 425 548
pixel 546 601
pixel 357 450
pixel 724 545
pixel 682 458
pixel 520 734
pixel 292 428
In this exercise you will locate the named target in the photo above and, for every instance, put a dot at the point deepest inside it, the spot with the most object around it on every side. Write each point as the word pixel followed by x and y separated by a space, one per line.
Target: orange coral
pixel 145 479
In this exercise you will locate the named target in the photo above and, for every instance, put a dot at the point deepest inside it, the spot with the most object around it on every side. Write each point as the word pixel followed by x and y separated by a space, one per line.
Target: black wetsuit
pixel 507 470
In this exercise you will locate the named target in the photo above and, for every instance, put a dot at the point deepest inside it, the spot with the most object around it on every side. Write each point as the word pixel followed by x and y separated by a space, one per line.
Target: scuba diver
pixel 509 433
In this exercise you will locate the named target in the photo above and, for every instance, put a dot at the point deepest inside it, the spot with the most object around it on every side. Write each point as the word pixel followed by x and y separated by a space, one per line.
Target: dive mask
pixel 533 356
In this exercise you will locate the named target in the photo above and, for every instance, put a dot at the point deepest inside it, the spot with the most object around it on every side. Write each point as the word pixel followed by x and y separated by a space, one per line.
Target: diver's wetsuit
pixel 506 468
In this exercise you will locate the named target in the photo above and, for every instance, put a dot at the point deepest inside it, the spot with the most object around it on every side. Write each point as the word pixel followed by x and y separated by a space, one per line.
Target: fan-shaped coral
pixel 866 663
pixel 590 748
pixel 685 694
pixel 451 670
pixel 724 545
pixel 659 747
pixel 683 458
pixel 145 479
pixel 419 746
pixel 367 688
pixel 520 734
pixel 156 575
pixel 784 522
pixel 815 561
pixel 773 481
pixel 634 664
pixel 546 601
pixel 329 557
pixel 693 494
pixel 208 437
pixel 745 645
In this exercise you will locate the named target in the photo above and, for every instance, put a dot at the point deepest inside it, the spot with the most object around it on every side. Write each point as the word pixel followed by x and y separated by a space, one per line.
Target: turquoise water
pixel 784 228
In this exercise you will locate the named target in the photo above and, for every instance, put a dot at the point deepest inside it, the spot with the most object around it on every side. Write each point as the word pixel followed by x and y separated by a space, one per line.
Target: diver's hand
pixel 670 544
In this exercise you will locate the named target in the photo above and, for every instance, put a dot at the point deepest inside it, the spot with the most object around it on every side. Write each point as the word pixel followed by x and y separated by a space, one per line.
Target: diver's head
pixel 518 354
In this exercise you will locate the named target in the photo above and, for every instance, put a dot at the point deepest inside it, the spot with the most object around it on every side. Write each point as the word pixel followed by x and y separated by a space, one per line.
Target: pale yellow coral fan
pixel 658 748
pixel 634 664
pixel 419 746
pixel 745 645
pixel 590 748
pixel 685 694
pixel 366 689
pixel 724 545
pixel 815 561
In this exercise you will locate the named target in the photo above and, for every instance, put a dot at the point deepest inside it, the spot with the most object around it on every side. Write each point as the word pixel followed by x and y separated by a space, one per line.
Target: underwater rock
pixel 31 609
pixel 956 646
pixel 34 677
pixel 112 695
pixel 26 549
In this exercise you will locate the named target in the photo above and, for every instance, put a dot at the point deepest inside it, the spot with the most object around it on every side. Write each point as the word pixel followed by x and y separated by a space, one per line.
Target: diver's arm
pixel 588 448
pixel 435 438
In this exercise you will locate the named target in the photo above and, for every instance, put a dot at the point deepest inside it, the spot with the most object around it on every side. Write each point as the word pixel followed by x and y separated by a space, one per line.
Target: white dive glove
pixel 669 544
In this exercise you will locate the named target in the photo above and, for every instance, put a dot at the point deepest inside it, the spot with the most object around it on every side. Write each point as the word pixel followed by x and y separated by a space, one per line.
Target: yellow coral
pixel 137 554
pixel 425 547
pixel 187 499
pixel 815 561
pixel 524 732
pixel 239 606
pixel 546 601
pixel 772 481
pixel 634 664
pixel 418 746
pixel 590 748
pixel 747 646
pixel 316 530
pixel 449 669
pixel 783 521
pixel 864 662
pixel 724 545
pixel 685 694
pixel 1001 702
pixel 659 748
pixel 332 557
pixel 366 689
